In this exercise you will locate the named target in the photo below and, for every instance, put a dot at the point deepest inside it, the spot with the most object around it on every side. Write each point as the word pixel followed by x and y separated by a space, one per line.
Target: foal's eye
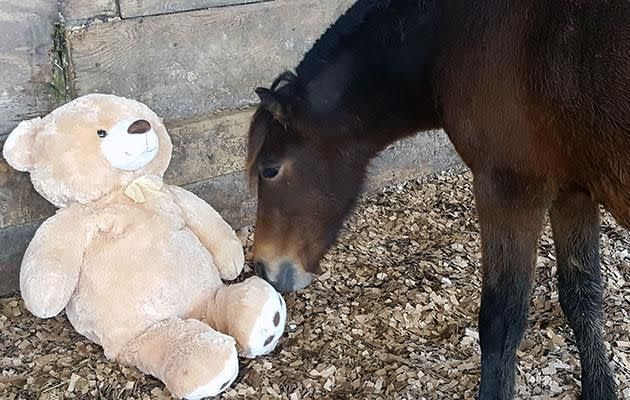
pixel 101 133
pixel 270 172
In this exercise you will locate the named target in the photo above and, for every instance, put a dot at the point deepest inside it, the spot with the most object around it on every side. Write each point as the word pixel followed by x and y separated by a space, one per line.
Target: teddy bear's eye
pixel 101 133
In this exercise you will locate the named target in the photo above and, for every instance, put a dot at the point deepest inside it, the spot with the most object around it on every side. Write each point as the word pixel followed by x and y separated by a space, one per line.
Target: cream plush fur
pixel 137 264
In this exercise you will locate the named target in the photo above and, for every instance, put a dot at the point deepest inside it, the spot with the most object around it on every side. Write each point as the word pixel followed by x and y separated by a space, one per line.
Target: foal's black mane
pixel 331 43
pixel 327 46
pixel 341 34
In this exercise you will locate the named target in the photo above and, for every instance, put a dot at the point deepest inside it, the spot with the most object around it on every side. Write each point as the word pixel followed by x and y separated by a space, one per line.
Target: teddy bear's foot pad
pixel 204 365
pixel 268 327
pixel 217 384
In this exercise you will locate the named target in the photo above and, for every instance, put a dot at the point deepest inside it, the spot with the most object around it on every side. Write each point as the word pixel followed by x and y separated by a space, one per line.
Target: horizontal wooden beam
pixel 206 149
pixel 191 64
pixel 201 150
pixel 209 147
pixel 143 8
pixel 230 195
pixel 80 11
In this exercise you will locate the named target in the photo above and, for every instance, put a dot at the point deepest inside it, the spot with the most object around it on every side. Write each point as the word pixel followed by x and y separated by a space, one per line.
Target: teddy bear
pixel 137 264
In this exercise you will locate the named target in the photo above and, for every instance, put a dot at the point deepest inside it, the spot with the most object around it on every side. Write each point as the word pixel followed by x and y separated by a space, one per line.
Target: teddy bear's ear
pixel 18 148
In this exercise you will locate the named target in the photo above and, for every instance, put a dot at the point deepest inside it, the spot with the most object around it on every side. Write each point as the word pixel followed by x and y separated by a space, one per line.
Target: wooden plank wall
pixel 196 63
pixel 26 87
pixel 80 11
pixel 143 8
pixel 197 69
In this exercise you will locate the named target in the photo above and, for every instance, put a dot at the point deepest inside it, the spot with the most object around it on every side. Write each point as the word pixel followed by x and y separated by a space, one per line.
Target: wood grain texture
pixel 201 150
pixel 26 29
pixel 208 148
pixel 230 196
pixel 139 8
pixel 13 244
pixel 19 202
pixel 79 11
pixel 191 64
pixel 413 157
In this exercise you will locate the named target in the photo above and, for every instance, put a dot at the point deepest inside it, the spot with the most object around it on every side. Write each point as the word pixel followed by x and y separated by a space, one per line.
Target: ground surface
pixel 393 317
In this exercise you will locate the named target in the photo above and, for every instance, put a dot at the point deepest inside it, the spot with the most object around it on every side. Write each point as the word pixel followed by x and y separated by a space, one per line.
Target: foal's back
pixel 541 89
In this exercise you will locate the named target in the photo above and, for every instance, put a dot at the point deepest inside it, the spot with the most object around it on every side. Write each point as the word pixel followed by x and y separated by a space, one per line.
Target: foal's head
pixel 309 170
pixel 364 84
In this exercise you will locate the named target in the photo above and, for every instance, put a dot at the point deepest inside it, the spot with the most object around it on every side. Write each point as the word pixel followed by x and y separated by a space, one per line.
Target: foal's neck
pixel 373 67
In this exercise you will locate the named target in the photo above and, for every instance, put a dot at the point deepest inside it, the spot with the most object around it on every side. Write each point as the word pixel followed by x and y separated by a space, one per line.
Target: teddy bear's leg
pixel 252 312
pixel 192 359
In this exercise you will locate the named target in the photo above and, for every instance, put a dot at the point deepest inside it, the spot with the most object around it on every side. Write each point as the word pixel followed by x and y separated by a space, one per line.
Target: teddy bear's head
pixel 89 147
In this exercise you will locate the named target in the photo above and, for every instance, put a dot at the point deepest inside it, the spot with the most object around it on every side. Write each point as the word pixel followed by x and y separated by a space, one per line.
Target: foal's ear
pixel 271 102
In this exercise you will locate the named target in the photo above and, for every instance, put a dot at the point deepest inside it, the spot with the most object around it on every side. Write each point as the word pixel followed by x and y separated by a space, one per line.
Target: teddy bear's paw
pixel 229 259
pixel 218 384
pixel 47 296
pixel 268 327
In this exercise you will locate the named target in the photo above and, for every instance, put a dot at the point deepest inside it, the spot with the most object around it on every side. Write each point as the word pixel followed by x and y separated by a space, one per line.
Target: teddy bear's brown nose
pixel 139 127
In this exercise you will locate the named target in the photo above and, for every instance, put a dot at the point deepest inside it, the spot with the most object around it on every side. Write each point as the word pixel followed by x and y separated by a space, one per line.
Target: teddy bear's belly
pixel 148 275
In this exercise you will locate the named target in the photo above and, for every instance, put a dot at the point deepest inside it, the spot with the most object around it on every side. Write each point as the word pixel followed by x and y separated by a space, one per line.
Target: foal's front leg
pixel 575 223
pixel 511 218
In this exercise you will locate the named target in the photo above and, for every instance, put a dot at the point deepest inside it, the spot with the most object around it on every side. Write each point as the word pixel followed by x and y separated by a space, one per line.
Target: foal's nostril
pixel 285 277
pixel 139 127
pixel 285 281
pixel 260 270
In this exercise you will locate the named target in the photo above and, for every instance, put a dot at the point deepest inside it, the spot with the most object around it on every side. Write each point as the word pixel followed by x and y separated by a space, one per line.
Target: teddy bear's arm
pixel 51 264
pixel 212 230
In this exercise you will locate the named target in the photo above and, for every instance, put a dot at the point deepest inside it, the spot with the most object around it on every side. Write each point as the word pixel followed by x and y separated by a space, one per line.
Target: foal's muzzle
pixel 284 276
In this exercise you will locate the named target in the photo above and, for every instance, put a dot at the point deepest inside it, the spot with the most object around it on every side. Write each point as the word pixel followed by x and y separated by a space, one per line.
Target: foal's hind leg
pixel 511 218
pixel 575 222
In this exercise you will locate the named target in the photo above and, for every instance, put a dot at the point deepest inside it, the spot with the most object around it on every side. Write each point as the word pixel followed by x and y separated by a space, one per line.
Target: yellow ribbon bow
pixel 143 186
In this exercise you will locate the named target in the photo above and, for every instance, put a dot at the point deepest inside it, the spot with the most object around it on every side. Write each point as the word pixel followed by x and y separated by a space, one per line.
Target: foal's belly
pixel 608 180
